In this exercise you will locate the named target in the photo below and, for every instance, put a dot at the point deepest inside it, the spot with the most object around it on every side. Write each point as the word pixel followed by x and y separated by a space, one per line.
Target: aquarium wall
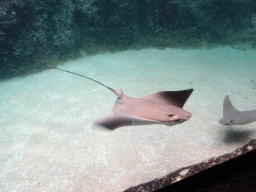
pixel 38 34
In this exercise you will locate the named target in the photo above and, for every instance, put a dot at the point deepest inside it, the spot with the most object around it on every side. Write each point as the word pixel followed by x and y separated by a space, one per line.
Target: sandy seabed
pixel 49 143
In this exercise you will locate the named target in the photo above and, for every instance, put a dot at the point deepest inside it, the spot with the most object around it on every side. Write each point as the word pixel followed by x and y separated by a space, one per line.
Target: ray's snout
pixel 186 115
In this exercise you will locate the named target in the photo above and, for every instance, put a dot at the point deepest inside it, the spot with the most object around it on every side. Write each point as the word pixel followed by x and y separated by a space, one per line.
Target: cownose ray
pixel 163 107
pixel 231 116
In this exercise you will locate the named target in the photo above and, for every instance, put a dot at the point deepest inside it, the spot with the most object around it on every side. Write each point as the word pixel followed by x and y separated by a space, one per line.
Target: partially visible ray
pixel 231 116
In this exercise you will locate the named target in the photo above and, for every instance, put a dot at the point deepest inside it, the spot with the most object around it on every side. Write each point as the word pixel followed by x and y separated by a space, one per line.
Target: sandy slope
pixel 48 142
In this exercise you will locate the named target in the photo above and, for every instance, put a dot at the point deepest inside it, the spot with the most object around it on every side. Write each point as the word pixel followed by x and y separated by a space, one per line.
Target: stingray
pixel 231 116
pixel 165 107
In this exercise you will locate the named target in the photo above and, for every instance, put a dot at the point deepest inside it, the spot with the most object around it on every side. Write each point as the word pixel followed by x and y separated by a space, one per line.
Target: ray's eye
pixel 170 115
pixel 230 122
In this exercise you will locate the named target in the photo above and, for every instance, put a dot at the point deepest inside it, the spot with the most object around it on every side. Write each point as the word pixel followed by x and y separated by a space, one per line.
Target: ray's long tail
pixel 119 94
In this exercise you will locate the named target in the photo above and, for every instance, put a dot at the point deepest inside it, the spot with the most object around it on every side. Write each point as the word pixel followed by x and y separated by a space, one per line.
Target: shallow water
pixel 48 141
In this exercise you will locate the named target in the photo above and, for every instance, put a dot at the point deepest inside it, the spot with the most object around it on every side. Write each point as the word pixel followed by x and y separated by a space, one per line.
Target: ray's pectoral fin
pixel 116 121
pixel 113 122
pixel 229 112
pixel 175 98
